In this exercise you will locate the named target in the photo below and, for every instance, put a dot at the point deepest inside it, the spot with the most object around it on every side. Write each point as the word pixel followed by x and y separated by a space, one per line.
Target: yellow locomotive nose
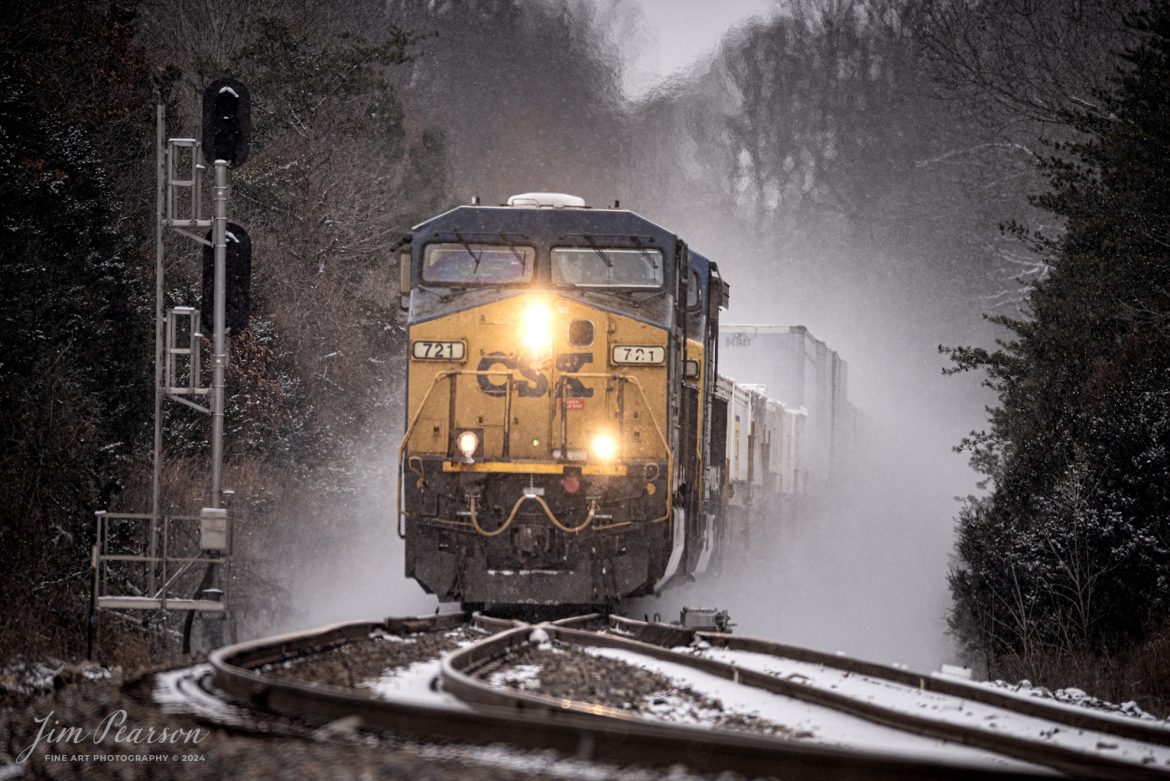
pixel 536 327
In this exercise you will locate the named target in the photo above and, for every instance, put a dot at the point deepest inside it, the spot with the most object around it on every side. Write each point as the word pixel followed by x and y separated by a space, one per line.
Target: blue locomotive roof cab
pixel 613 259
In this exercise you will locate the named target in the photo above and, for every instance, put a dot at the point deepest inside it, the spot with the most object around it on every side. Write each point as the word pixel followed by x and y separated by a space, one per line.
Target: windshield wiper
pixel 518 254
pixel 597 248
pixel 477 258
pixel 471 252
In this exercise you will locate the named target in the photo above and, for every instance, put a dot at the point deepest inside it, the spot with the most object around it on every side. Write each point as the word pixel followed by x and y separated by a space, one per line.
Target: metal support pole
pixel 214 526
pixel 219 359
pixel 91 624
pixel 159 325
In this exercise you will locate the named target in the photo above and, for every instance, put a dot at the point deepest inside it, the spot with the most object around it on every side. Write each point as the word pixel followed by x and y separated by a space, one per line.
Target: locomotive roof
pixel 545 225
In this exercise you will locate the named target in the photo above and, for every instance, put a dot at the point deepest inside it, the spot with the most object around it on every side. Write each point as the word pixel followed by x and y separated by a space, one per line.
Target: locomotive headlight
pixel 468 443
pixel 536 331
pixel 605 447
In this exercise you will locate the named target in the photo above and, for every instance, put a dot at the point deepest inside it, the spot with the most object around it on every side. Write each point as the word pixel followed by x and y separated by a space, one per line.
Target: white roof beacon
pixel 546 201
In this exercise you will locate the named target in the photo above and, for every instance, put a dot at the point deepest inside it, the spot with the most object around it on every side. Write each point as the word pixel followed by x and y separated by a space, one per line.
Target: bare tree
pixel 528 94
pixel 1025 59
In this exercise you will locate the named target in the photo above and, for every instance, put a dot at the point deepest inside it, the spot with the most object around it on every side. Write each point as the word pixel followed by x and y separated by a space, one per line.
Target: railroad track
pixel 668 635
pixel 476 711
pixel 983 731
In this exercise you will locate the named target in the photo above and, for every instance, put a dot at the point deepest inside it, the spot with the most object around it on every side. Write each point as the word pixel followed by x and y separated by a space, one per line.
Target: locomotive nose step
pixel 531 541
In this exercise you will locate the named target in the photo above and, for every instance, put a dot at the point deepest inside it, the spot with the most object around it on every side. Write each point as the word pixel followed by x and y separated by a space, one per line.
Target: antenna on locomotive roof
pixel 617 204
pixel 475 200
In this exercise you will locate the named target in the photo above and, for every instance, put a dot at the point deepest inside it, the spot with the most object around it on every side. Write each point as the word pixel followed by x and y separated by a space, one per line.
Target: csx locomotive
pixel 567 436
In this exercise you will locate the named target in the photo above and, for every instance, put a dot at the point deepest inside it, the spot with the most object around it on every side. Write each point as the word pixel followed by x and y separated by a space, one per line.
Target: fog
pixel 864 569
pixel 359 575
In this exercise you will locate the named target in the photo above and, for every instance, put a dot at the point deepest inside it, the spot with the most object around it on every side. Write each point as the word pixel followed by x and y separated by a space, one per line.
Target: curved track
pixel 489 714
pixel 1071 761
pixel 668 635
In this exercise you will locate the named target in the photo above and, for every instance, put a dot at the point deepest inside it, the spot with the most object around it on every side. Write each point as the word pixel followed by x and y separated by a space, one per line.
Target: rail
pixel 670 635
pixel 1070 761
pixel 585 732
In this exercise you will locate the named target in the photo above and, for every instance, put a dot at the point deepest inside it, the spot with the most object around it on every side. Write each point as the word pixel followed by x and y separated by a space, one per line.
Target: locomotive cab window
pixel 693 291
pixel 607 267
pixel 477 264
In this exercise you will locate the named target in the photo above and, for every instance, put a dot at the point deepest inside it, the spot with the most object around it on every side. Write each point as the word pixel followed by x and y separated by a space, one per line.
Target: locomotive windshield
pixel 477 264
pixel 607 267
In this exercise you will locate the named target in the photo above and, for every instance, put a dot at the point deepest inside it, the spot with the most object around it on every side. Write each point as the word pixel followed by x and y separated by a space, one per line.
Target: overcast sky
pixel 681 32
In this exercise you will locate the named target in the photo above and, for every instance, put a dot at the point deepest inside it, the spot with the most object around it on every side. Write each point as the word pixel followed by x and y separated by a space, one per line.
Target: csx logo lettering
pixel 534 382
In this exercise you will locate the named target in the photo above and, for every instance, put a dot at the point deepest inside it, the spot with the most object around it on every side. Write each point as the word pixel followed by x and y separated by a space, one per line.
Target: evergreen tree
pixel 72 372
pixel 1068 554
pixel 75 330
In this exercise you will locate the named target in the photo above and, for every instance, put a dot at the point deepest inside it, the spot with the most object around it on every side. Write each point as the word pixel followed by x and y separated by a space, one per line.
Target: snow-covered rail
pixel 754 707
pixel 256 675
pixel 1074 740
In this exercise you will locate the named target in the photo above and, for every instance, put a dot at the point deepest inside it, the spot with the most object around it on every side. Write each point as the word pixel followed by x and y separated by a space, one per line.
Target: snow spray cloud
pixel 878 257
pixel 825 235
pixel 321 558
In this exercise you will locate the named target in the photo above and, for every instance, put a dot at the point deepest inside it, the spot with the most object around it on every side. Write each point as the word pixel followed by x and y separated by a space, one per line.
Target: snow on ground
pixel 389 637
pixel 24 679
pixel 525 676
pixel 415 683
pixel 820 725
pixel 669 706
pixel 907 699
pixel 179 691
pixel 1074 699
pixel 418 681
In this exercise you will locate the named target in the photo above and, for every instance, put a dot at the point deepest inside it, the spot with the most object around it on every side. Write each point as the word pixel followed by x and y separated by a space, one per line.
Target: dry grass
pixel 1147 672
pixel 1141 675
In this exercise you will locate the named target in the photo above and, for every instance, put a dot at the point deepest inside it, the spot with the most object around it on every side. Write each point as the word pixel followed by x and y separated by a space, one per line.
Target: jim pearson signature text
pixel 113 727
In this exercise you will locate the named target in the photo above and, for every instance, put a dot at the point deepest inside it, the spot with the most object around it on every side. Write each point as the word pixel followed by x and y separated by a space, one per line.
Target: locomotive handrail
pixel 657 429
pixel 471 505
pixel 587 375
pixel 418 414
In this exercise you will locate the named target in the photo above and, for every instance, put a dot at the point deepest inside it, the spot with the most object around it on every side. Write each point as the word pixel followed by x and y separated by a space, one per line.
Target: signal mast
pixel 184 562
